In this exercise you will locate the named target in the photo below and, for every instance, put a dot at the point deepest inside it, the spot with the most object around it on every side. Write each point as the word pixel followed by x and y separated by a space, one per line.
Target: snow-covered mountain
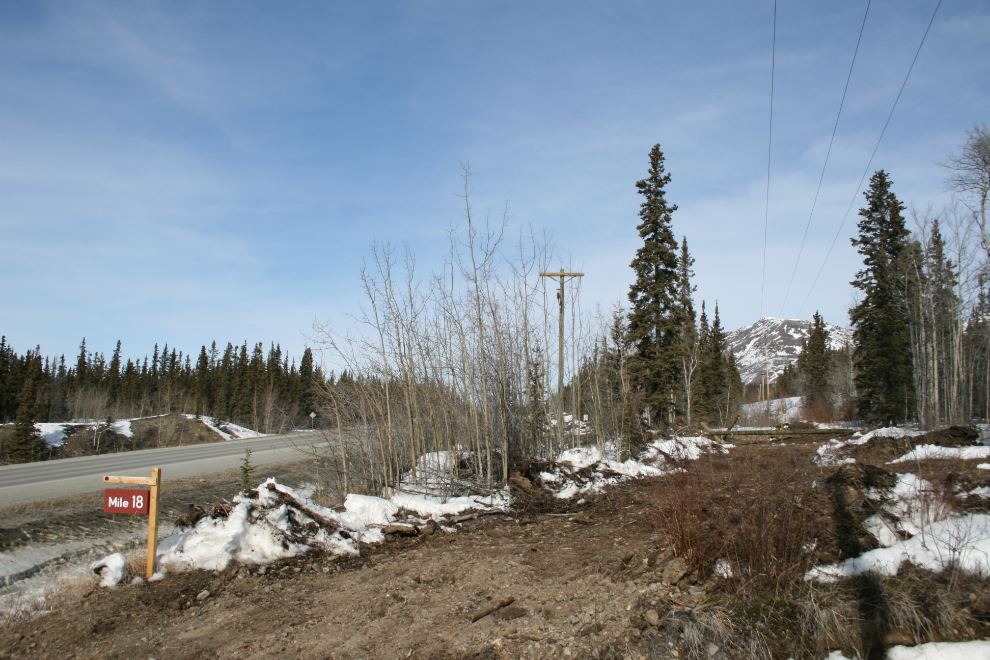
pixel 782 339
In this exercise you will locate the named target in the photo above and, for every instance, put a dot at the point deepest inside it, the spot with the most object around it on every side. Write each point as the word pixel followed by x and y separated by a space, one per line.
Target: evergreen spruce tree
pixel 719 385
pixel 656 319
pixel 204 384
pixel 884 380
pixel 307 385
pixel 815 364
pixel 113 374
pixel 715 372
pixel 82 363
pixel 25 444
pixel 8 393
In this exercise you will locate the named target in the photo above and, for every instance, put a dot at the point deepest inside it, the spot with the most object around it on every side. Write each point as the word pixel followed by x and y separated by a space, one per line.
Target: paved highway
pixel 30 482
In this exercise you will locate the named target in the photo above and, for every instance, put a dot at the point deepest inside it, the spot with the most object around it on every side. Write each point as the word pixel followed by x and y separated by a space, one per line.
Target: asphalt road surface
pixel 30 482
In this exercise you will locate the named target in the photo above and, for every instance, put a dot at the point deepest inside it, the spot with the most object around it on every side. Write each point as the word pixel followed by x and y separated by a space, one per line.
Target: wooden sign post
pixel 138 501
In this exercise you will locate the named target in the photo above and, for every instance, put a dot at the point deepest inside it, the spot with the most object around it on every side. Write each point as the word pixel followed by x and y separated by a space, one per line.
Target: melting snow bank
pixel 226 430
pixel 585 470
pixel 962 542
pixel 933 651
pixel 832 454
pixel 274 522
pixel 53 433
pixel 112 569
pixel 925 452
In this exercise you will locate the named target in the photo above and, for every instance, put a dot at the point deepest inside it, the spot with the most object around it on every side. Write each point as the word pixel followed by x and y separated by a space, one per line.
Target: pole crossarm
pixel 561 274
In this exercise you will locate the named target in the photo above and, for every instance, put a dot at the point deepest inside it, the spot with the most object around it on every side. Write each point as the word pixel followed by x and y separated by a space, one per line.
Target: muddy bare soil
pixel 553 579
pixel 576 580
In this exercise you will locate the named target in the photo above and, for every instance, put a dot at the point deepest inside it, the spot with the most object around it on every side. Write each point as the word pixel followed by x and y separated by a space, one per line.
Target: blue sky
pixel 188 171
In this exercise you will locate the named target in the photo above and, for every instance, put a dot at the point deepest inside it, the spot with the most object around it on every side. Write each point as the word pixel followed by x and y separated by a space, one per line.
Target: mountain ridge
pixel 781 339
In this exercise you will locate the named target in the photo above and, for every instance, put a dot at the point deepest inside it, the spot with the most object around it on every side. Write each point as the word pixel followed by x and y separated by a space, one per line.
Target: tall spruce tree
pixel 885 389
pixel 815 364
pixel 307 385
pixel 656 319
pixel 25 444
pixel 717 373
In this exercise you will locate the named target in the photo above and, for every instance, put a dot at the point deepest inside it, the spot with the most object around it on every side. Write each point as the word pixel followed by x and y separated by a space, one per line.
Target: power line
pixel 827 154
pixel 865 171
pixel 766 213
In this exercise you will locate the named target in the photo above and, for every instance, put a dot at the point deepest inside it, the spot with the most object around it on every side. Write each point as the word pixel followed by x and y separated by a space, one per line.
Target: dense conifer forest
pixel 241 384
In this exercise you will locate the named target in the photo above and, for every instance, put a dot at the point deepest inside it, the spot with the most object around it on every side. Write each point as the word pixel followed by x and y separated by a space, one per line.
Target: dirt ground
pixel 593 581
pixel 574 576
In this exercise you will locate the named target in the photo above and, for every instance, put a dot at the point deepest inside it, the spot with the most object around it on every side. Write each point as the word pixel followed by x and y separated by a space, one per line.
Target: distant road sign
pixel 119 500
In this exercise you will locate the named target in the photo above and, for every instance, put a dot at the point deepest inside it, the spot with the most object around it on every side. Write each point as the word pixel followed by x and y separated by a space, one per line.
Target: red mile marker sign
pixel 120 500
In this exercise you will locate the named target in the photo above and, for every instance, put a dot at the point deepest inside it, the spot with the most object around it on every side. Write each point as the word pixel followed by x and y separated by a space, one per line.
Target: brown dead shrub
pixel 757 512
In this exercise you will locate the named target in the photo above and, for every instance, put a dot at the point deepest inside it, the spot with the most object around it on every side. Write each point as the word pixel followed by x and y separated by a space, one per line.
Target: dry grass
pixel 69 590
pixel 52 507
pixel 64 592
pixel 763 509
pixel 756 510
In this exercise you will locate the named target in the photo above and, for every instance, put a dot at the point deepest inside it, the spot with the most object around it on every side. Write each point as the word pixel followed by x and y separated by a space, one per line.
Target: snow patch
pixel 962 542
pixel 282 522
pixel 584 470
pixel 112 569
pixel 833 452
pixel 436 508
pixel 52 434
pixel 227 430
pixel 908 507
pixel 976 650
pixel 936 452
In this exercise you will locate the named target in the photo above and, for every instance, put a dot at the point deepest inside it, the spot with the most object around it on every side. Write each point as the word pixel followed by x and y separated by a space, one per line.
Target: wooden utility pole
pixel 766 380
pixel 560 365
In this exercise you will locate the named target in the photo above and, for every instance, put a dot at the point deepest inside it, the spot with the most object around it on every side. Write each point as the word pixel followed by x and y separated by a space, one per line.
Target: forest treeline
pixel 263 390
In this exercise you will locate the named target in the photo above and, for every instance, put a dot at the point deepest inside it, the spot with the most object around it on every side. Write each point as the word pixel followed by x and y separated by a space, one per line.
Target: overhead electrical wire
pixel 827 154
pixel 766 213
pixel 866 171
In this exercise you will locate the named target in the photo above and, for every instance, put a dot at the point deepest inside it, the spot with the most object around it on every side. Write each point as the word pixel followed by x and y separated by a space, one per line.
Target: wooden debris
pixel 400 529
pixel 482 613
pixel 510 612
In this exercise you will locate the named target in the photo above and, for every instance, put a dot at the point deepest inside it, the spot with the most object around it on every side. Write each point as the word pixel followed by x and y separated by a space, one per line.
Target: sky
pixel 185 172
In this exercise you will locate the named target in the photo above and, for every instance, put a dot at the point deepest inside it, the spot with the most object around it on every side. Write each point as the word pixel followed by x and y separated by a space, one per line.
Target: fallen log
pixel 787 432
pixel 482 613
